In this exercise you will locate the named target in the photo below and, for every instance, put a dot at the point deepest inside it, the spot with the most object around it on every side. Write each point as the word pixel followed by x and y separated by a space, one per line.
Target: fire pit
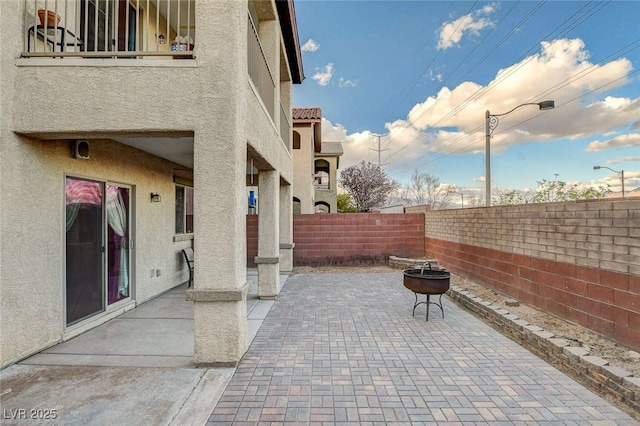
pixel 427 281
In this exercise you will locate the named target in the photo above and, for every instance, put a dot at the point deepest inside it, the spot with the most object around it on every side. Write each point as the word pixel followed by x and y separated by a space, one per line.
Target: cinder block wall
pixel 348 239
pixel 252 239
pixel 578 260
pixel 356 238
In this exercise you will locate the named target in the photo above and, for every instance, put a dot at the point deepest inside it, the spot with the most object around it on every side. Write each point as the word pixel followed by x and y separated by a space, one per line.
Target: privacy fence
pixel 578 260
pixel 349 239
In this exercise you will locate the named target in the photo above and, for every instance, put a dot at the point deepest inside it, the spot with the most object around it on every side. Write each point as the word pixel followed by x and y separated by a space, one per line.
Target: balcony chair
pixel 188 258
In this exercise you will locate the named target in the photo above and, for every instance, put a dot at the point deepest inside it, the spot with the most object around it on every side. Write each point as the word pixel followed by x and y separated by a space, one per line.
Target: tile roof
pixel 306 113
pixel 334 148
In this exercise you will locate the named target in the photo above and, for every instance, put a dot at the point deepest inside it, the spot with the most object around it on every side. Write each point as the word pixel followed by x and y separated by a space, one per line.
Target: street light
pixel 491 122
pixel 621 173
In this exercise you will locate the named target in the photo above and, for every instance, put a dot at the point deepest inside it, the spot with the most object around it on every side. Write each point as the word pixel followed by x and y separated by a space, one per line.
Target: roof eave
pixel 289 26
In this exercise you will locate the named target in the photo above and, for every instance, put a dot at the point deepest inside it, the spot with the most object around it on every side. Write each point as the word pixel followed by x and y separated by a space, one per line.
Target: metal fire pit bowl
pixel 429 282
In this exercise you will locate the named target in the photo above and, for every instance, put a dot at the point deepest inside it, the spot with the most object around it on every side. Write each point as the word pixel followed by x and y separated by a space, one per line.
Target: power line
pixel 379 150
pixel 482 91
pixel 479 92
pixel 442 154
pixel 429 65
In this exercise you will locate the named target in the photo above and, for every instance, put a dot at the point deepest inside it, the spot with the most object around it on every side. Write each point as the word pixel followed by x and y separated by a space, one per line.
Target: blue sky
pixel 423 73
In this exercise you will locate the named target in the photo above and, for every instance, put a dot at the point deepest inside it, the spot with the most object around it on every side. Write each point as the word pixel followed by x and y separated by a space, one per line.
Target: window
pixel 322 207
pixel 296 140
pixel 106 23
pixel 321 175
pixel 184 209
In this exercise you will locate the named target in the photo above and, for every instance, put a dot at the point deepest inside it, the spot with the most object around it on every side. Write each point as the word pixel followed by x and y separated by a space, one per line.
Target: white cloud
pixel 323 77
pixel 555 66
pixel 310 46
pixel 452 32
pixel 619 160
pixel 342 82
pixel 452 121
pixel 630 140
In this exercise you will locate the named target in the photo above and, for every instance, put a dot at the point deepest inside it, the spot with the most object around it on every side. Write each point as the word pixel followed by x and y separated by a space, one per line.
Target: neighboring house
pixel 315 164
pixel 124 141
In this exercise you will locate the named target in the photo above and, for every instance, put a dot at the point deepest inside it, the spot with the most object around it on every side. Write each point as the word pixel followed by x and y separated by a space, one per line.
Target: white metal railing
pixel 285 128
pixel 321 180
pixel 259 69
pixel 109 28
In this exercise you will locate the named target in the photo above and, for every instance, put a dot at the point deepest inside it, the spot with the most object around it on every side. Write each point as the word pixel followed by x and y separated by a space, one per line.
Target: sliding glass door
pixel 97 247
pixel 117 243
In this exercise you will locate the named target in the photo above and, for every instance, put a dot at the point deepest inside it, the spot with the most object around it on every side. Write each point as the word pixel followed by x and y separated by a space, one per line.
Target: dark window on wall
pixel 296 140
pixel 184 209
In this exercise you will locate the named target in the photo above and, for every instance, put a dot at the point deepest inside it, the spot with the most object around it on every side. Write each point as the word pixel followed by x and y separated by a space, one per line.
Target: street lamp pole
pixel 491 122
pixel 621 173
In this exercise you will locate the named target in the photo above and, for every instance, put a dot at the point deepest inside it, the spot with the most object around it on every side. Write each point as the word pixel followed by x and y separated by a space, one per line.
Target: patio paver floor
pixel 344 348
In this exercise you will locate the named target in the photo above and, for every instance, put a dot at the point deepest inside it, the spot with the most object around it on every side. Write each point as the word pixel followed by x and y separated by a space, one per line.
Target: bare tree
pixel 368 185
pixel 419 183
pixel 437 194
pixel 404 193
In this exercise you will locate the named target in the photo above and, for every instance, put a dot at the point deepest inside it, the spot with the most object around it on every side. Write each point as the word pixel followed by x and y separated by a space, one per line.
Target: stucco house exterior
pixel 315 164
pixel 127 132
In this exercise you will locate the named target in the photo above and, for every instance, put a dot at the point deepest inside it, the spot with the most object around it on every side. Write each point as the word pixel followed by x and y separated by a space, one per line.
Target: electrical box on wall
pixel 81 149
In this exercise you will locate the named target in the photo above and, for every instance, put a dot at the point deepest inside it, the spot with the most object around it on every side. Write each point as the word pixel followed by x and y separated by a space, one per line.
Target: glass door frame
pixel 129 243
pixel 106 308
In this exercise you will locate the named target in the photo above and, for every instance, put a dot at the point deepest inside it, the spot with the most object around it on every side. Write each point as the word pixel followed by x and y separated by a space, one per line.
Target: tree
pixel 424 188
pixel 404 195
pixel 345 205
pixel 549 191
pixel 419 183
pixel 367 184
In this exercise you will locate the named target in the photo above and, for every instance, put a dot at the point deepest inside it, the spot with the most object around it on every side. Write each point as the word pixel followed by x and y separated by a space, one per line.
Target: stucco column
pixel 268 259
pixel 286 229
pixel 220 286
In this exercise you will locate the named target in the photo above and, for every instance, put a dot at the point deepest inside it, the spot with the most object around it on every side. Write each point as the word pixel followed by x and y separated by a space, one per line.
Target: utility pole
pixel 379 150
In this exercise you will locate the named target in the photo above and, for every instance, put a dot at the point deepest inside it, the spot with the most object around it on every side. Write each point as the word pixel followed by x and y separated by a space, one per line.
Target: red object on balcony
pixel 51 20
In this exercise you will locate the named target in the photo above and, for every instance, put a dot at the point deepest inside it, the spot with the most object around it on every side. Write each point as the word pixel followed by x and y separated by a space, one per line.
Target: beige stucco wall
pixel 209 97
pixel 303 188
pixel 33 232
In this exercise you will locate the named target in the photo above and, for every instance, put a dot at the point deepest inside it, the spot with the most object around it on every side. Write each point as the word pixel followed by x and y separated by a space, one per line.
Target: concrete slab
pixel 194 411
pixel 135 369
pixel 133 336
pixel 105 395
pixel 260 310
pixel 110 360
pixel 169 306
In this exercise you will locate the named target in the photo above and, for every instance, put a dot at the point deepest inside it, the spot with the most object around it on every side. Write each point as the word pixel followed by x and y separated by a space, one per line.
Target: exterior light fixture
pixel 491 122
pixel 155 197
pixel 161 39
pixel 620 173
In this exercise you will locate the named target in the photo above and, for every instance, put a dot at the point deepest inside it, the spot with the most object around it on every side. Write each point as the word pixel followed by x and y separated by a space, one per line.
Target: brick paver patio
pixel 344 348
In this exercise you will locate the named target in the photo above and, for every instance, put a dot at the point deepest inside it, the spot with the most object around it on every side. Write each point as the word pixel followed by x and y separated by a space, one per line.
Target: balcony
pixel 285 128
pixel 259 71
pixel 132 29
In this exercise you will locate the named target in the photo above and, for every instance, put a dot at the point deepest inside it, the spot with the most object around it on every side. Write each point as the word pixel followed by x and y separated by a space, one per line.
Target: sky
pixel 422 74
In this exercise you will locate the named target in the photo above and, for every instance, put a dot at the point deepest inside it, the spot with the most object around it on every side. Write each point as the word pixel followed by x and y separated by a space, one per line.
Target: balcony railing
pixel 259 71
pixel 285 128
pixel 109 28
